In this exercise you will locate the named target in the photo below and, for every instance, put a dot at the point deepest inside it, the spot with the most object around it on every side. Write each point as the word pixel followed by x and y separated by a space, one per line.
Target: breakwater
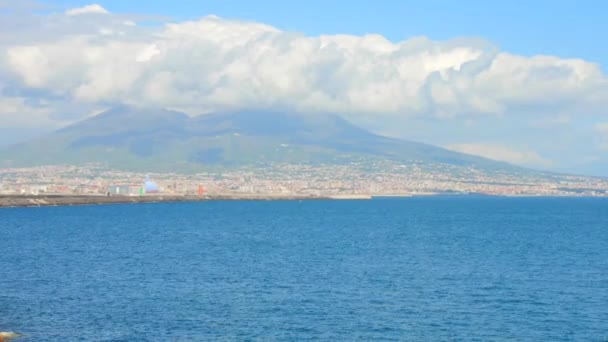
pixel 57 200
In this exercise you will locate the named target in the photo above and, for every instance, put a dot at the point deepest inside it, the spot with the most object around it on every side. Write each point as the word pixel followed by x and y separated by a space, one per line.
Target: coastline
pixel 16 201
pixel 28 201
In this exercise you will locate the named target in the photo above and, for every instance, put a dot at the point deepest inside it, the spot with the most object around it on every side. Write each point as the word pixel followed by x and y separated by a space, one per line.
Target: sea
pixel 459 268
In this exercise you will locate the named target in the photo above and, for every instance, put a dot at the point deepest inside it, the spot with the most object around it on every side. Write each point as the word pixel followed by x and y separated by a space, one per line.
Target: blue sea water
pixel 418 269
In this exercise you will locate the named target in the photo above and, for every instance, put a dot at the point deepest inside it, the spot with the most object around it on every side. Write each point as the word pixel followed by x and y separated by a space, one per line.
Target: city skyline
pixel 538 103
pixel 384 179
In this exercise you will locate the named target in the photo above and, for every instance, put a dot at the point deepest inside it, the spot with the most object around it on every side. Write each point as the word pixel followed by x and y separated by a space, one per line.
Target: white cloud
pixel 502 153
pixel 16 112
pixel 146 54
pixel 216 64
pixel 89 9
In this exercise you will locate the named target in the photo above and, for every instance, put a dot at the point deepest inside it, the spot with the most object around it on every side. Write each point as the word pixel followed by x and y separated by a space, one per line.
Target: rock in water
pixel 6 336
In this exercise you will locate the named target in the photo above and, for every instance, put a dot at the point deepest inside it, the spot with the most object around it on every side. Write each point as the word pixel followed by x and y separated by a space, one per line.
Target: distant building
pixel 123 190
pixel 150 187
pixel 38 189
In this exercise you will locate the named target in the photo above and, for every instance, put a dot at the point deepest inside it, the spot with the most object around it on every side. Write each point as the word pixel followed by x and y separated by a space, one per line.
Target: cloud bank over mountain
pixel 58 67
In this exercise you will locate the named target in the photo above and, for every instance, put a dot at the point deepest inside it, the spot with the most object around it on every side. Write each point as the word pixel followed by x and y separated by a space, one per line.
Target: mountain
pixel 163 140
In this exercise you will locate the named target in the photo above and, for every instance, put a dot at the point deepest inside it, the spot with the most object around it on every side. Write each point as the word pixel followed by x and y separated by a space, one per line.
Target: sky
pixel 554 27
pixel 514 81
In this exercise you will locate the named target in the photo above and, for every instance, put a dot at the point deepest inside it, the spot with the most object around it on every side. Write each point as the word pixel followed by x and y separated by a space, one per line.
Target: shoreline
pixel 25 201
pixel 32 201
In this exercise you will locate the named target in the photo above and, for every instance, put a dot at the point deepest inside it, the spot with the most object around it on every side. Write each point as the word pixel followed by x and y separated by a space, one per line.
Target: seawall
pixel 60 200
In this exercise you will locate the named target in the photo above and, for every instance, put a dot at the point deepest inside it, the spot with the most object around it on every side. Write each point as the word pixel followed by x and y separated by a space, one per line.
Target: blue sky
pixel 570 29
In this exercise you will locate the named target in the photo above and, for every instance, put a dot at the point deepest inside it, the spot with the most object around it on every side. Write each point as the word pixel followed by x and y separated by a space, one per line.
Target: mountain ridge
pixel 158 139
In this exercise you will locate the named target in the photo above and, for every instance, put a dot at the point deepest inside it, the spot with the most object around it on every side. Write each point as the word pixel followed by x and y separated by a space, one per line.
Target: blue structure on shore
pixel 150 186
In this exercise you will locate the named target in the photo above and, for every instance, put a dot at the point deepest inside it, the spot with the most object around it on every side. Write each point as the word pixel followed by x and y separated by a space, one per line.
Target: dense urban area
pixel 382 179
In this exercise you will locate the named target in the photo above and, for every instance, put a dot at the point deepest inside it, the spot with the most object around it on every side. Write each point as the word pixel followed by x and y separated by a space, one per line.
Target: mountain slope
pixel 161 140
